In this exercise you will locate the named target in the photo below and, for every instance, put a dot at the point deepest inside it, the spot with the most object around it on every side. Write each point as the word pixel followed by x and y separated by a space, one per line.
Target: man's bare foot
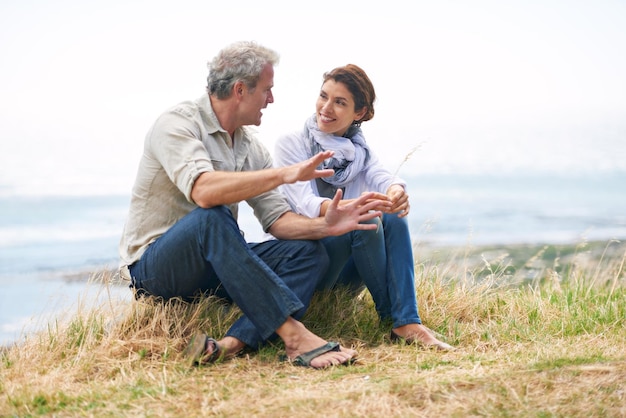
pixel 419 333
pixel 299 340
pixel 231 346
pixel 203 349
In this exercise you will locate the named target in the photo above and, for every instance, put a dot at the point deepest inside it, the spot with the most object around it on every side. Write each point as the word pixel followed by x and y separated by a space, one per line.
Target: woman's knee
pixel 370 235
pixel 392 220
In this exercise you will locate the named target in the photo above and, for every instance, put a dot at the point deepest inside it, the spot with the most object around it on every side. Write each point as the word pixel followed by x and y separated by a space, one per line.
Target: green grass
pixel 539 331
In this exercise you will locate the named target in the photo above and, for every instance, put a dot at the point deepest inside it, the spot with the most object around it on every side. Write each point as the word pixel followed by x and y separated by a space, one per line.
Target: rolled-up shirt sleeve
pixel 175 144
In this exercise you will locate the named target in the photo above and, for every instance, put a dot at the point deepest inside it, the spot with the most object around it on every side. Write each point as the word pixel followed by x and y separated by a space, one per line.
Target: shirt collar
pixel 208 115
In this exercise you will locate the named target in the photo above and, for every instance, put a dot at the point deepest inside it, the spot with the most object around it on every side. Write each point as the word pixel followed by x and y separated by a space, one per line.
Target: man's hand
pixel 307 170
pixel 348 217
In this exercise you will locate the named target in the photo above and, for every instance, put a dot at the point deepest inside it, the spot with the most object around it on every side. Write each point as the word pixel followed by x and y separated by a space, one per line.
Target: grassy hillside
pixel 540 331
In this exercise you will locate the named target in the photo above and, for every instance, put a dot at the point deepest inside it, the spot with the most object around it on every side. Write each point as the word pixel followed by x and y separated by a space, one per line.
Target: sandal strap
pixel 216 353
pixel 305 359
pixel 198 348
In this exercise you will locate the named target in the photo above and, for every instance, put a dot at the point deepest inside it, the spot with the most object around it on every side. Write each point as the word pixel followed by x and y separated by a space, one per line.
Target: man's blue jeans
pixel 205 253
pixel 382 259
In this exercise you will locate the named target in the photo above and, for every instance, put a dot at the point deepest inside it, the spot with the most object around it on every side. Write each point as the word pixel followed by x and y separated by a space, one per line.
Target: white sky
pixel 485 86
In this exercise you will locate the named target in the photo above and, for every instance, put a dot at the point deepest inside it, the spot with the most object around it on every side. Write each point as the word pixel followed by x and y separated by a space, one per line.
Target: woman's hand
pixel 399 200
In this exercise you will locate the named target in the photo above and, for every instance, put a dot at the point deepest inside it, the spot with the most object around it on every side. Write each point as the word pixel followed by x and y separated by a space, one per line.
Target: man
pixel 182 239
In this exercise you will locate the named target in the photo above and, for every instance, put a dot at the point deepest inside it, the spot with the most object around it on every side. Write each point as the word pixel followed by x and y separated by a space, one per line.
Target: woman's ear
pixel 360 114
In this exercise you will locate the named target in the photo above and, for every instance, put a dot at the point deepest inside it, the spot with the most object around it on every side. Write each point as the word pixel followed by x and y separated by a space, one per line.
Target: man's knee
pixel 215 213
pixel 316 251
pixel 216 219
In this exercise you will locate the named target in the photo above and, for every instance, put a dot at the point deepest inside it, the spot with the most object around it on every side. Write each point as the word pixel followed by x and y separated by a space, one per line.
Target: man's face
pixel 255 100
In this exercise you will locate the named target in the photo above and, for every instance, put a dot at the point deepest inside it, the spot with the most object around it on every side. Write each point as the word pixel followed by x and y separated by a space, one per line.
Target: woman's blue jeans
pixel 205 253
pixel 380 259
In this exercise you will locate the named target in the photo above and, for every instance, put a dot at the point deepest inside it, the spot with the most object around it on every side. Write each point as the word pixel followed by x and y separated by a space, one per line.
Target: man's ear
pixel 238 89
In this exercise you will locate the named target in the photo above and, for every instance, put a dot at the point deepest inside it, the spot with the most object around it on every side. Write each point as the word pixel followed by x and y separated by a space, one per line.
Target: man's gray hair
pixel 241 61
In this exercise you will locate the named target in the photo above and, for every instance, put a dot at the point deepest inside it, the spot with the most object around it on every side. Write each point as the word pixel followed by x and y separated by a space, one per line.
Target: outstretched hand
pixel 307 170
pixel 348 217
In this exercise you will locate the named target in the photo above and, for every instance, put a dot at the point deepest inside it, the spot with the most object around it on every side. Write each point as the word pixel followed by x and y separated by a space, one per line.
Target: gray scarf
pixel 351 152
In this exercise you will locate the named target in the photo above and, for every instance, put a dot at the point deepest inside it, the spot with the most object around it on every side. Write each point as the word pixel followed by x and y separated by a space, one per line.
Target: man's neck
pixel 225 112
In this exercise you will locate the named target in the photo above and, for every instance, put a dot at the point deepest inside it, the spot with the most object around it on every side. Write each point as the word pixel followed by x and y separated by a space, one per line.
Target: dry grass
pixel 540 336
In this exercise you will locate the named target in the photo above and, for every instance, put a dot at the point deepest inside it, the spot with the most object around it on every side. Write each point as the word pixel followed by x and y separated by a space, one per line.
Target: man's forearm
pixel 293 226
pixel 226 187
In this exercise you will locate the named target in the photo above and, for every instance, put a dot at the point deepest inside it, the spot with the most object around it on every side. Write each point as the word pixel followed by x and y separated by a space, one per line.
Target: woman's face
pixel 335 108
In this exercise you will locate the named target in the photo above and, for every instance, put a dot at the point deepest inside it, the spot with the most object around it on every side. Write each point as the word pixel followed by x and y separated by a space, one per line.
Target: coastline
pixel 32 302
pixel 545 254
pixel 520 253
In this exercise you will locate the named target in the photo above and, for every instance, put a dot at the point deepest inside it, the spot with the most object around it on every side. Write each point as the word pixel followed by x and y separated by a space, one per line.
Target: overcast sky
pixel 463 86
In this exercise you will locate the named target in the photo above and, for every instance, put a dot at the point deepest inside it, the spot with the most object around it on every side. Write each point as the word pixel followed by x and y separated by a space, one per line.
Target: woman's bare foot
pixel 299 340
pixel 421 334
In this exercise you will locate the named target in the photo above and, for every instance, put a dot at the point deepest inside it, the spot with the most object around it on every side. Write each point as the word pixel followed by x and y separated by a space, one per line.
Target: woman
pixel 382 259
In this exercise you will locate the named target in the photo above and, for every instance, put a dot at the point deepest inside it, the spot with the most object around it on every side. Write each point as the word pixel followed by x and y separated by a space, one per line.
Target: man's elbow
pixel 202 204
pixel 280 226
pixel 202 199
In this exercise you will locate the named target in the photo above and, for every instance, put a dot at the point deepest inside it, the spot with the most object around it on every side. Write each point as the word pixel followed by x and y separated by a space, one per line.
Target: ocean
pixel 51 245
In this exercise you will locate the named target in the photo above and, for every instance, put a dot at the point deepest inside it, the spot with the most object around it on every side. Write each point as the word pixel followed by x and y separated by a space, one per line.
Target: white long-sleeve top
pixel 304 197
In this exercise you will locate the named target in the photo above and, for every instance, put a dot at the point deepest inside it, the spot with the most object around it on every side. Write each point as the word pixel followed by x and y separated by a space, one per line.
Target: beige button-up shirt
pixel 184 142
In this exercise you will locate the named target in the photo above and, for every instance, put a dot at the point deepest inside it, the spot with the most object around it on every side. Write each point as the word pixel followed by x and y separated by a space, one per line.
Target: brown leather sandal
pixel 198 350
